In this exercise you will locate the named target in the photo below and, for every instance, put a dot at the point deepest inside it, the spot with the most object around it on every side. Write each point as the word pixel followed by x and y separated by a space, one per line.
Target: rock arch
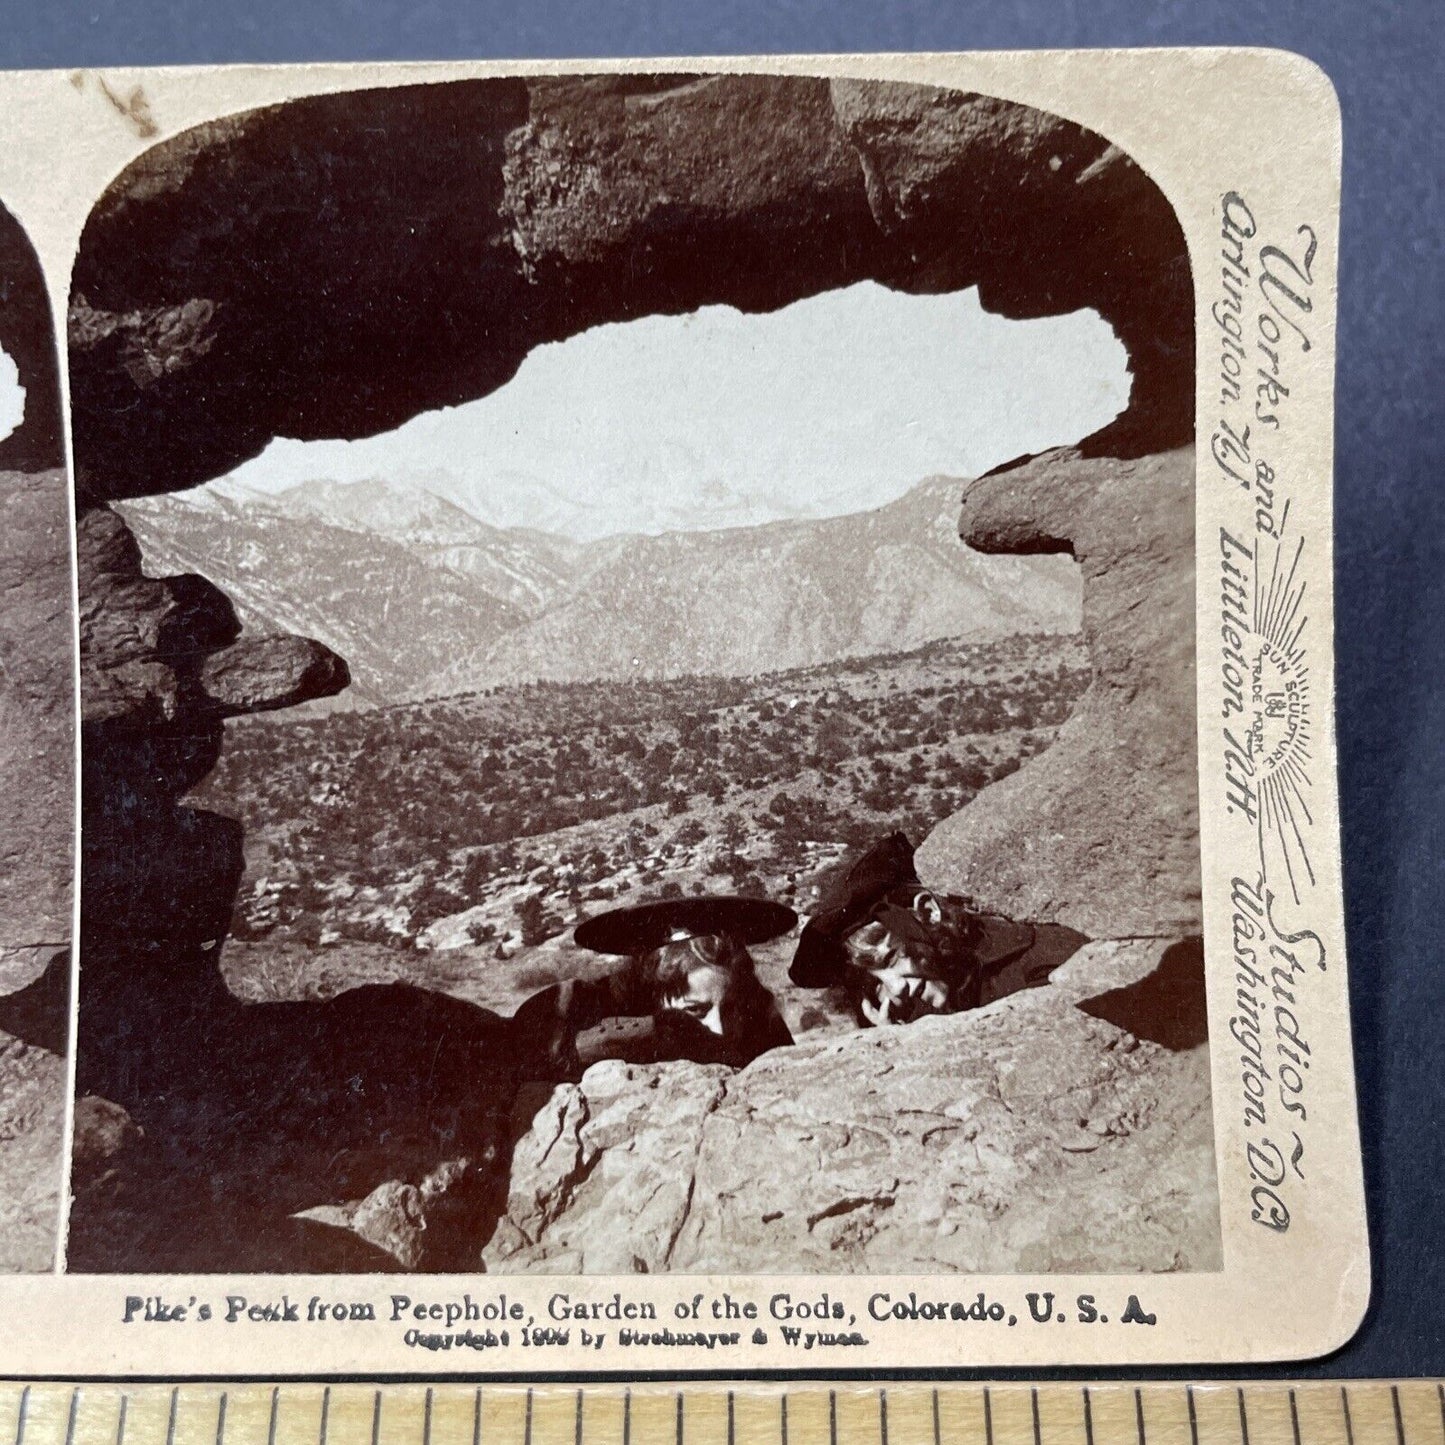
pixel 27 336
pixel 280 272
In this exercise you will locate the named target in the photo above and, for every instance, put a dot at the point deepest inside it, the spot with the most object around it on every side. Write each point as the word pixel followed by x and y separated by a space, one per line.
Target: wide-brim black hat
pixel 646 926
pixel 820 960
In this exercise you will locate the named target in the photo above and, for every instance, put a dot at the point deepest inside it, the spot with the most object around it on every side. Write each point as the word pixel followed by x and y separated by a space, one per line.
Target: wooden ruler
pixel 1310 1413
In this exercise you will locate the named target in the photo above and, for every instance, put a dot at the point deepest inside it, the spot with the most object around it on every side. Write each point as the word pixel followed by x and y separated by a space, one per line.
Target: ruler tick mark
pixel 1201 1430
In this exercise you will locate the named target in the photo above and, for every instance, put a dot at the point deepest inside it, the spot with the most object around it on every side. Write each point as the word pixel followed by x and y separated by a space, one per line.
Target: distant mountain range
pixel 423 599
pixel 525 568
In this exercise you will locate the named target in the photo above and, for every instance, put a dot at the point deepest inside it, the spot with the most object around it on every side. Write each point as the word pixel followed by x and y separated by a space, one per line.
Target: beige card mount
pixel 701 695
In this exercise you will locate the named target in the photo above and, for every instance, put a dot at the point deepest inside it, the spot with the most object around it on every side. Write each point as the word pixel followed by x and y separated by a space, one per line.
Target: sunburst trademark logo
pixel 1279 693
pixel 1278 733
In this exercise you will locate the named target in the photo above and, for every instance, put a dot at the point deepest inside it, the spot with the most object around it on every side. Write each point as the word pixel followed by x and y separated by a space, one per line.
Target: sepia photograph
pixel 672 715
pixel 37 764
pixel 638 690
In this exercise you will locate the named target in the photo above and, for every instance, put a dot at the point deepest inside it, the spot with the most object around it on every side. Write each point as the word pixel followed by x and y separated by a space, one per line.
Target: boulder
pixel 259 674
pixel 416 1227
pixel 1029 1136
pixel 1101 831
pixel 166 650
pixel 32 1133
pixel 102 1134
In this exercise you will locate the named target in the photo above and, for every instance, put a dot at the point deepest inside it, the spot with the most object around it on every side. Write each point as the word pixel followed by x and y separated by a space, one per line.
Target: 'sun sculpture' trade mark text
pixel 1262 316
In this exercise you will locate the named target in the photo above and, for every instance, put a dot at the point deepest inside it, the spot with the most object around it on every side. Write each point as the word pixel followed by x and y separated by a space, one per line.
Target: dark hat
pixel 647 926
pixel 819 961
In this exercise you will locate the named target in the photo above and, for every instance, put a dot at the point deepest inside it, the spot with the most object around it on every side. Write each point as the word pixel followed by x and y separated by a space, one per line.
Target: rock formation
pixel 27 337
pixel 32 1127
pixel 36 750
pixel 354 285
pixel 37 767
pixel 1031 1136
pixel 1101 831
pixel 252 1114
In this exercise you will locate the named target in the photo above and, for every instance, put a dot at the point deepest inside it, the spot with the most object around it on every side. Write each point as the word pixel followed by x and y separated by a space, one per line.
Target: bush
pixel 537 924
pixel 433 900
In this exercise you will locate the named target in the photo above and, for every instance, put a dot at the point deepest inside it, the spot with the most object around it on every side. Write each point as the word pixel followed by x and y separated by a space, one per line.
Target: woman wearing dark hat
pixel 689 970
pixel 901 952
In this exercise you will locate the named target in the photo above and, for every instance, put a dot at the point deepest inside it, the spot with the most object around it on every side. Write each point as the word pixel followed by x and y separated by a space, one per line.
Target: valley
pixel 456 842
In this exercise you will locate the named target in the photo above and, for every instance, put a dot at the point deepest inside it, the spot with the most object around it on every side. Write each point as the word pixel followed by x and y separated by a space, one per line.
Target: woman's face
pixel 895 975
pixel 701 996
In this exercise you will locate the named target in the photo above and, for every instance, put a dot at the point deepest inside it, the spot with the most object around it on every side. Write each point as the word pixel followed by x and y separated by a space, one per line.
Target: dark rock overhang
pixel 335 265
pixel 27 336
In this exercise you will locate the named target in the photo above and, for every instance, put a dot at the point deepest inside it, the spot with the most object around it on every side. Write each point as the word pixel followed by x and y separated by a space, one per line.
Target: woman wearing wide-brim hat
pixel 901 952
pixel 688 971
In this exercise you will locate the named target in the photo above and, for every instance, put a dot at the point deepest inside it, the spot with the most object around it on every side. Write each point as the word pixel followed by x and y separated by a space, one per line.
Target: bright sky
pixel 835 404
pixel 12 396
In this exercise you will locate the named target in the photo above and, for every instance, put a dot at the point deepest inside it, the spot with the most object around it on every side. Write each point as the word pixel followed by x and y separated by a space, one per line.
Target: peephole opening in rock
pixel 565 728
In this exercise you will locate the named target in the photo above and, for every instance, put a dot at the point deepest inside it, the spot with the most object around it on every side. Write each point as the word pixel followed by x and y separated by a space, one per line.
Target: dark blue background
pixel 1386 61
